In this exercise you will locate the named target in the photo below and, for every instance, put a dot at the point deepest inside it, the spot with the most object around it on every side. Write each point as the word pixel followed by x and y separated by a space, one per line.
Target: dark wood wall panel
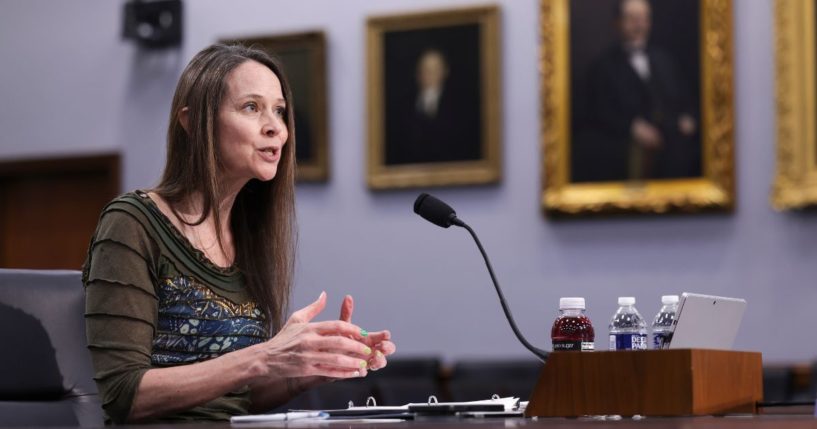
pixel 49 209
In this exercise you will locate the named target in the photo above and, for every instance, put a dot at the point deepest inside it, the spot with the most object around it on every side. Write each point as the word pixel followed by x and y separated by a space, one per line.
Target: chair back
pixel 46 376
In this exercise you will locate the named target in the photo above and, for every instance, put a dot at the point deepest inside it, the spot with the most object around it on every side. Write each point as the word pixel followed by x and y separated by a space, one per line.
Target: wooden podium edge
pixel 686 382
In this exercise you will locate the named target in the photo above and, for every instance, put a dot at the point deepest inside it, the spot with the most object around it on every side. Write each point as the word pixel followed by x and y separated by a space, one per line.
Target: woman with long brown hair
pixel 187 285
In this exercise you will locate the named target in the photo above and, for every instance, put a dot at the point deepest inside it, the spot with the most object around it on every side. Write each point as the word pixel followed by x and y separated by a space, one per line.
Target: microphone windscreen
pixel 434 210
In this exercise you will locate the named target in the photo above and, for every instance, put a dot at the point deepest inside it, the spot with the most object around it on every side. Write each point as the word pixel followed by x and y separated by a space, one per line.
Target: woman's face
pixel 251 124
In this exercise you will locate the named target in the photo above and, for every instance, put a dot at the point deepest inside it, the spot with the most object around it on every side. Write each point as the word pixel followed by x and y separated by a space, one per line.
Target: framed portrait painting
pixel 637 106
pixel 795 184
pixel 304 58
pixel 433 99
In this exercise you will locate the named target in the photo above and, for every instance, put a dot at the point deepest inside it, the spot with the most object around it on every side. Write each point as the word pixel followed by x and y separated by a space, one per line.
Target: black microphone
pixel 441 214
pixel 436 211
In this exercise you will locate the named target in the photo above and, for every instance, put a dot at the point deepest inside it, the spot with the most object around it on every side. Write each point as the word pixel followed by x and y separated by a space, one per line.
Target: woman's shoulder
pixel 127 201
pixel 124 226
pixel 128 212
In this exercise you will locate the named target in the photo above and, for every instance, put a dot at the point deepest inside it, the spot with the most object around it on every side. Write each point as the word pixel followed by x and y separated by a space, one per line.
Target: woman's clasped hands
pixel 334 349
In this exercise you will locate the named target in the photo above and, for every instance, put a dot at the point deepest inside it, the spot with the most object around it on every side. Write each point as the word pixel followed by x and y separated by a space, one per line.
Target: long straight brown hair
pixel 263 214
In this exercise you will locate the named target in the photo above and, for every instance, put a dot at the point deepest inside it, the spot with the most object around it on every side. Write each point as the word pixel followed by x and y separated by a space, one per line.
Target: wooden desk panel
pixel 652 383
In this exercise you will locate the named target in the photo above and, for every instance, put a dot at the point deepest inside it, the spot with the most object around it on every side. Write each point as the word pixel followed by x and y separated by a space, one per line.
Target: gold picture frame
pixel 795 184
pixel 714 189
pixel 400 154
pixel 304 58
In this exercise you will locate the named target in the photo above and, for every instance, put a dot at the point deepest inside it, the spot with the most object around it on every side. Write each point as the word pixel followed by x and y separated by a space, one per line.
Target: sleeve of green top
pixel 120 308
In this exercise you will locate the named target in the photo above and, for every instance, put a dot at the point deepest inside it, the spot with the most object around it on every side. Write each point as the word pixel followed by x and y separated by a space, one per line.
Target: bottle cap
pixel 626 300
pixel 571 302
pixel 669 299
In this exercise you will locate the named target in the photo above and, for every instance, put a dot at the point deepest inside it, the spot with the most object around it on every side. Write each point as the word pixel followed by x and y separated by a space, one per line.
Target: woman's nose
pixel 273 126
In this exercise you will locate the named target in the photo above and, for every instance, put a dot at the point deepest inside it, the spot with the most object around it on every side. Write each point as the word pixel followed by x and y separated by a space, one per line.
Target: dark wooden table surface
pixel 762 421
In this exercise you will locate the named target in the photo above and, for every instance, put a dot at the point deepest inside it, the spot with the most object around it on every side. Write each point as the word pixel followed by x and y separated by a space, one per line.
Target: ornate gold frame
pixel 795 184
pixel 317 168
pixel 485 170
pixel 713 190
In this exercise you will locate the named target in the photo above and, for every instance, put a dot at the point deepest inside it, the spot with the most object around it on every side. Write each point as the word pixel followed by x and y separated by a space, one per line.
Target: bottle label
pixel 660 340
pixel 567 345
pixel 574 346
pixel 628 342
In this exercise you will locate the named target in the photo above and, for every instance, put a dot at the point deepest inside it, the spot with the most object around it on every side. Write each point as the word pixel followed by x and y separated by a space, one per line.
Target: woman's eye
pixel 281 111
pixel 251 107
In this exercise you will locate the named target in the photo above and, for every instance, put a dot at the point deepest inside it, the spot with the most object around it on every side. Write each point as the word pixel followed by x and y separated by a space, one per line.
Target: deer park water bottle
pixel 662 324
pixel 628 331
pixel 572 329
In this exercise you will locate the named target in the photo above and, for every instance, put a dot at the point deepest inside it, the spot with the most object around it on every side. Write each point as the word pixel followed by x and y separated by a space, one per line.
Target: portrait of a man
pixel 432 95
pixel 433 98
pixel 635 114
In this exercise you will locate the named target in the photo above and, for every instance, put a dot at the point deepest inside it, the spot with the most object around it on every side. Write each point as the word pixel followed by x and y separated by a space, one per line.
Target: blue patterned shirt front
pixel 196 324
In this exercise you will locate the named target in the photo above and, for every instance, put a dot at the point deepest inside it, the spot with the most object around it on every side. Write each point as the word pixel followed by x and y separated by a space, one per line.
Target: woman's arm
pixel 166 390
pixel 301 349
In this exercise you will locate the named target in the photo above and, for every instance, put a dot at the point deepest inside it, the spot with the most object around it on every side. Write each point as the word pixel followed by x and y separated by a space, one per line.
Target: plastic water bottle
pixel 662 327
pixel 572 329
pixel 628 331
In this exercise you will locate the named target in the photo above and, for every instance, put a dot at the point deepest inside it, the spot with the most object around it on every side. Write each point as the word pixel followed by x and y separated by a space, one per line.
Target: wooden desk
pixel 748 422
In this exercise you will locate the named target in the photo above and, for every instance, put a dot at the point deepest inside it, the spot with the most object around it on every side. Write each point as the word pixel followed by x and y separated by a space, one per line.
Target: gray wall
pixel 73 86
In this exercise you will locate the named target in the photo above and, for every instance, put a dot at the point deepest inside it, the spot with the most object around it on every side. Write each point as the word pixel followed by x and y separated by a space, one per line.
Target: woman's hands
pixel 379 342
pixel 304 354
pixel 334 349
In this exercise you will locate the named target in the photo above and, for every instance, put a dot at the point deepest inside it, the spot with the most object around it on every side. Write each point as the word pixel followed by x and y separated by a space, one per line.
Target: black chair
pixel 330 396
pixel 803 384
pixel 46 377
pixel 777 383
pixel 810 392
pixel 477 380
pixel 333 396
pixel 407 380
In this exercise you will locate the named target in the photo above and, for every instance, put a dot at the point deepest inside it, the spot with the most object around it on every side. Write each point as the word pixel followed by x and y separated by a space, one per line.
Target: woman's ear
pixel 184 118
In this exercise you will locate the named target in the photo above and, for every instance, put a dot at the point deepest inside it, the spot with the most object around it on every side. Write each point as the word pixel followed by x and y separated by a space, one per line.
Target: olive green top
pixel 153 300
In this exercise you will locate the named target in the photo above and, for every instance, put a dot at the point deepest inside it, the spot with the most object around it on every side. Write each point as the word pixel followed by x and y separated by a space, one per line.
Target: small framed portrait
pixel 795 184
pixel 304 58
pixel 433 99
pixel 637 109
